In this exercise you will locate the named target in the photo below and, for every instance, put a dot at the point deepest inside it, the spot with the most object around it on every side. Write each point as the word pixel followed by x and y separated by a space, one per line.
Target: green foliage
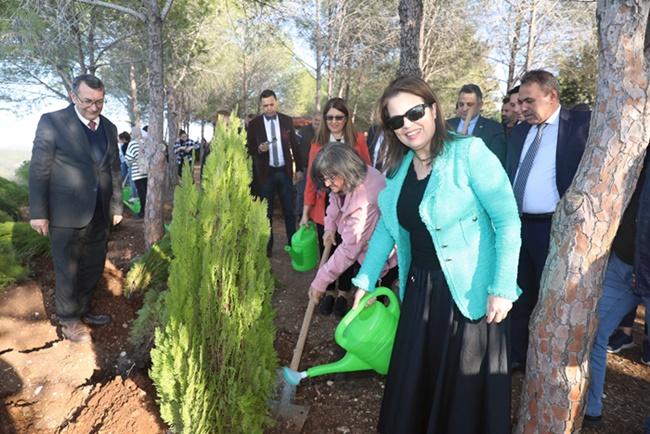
pixel 25 241
pixel 18 240
pixel 143 328
pixel 151 270
pixel 578 76
pixel 13 196
pixel 214 363
pixel 11 268
pixel 4 217
pixel 22 172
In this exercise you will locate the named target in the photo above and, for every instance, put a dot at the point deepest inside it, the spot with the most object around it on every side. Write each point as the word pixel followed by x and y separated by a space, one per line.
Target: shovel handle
pixel 302 337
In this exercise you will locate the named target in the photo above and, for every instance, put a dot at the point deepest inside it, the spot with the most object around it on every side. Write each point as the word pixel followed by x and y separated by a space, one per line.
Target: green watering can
pixel 304 248
pixel 367 333
pixel 126 194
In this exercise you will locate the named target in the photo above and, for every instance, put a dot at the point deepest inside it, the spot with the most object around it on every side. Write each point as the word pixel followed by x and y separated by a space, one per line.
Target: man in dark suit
pixel 271 141
pixel 375 140
pixel 74 195
pixel 543 155
pixel 305 137
pixel 470 101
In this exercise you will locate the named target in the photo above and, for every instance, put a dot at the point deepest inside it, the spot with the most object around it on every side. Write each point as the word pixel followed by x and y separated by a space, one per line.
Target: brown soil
pixel 49 385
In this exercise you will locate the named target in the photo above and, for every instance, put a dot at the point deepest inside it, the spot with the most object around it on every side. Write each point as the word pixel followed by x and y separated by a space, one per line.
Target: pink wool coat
pixel 355 219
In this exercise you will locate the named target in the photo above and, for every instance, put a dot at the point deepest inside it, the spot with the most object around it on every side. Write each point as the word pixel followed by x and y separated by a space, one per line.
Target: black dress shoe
pixel 138 216
pixel 518 367
pixel 341 307
pixel 96 320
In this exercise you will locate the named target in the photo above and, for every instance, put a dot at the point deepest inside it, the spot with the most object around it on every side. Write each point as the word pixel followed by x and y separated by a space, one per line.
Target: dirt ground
pixel 48 385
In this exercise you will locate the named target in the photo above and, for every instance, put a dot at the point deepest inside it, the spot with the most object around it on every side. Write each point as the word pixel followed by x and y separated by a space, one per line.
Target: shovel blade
pixel 293 416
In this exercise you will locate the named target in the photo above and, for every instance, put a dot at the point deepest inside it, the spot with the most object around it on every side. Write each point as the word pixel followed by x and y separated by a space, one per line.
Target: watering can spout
pixel 349 363
pixel 295 256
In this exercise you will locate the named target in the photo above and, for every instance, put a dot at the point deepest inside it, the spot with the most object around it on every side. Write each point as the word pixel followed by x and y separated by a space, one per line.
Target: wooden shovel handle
pixel 302 337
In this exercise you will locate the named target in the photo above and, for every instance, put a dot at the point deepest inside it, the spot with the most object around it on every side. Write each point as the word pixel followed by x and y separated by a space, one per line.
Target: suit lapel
pixel 564 131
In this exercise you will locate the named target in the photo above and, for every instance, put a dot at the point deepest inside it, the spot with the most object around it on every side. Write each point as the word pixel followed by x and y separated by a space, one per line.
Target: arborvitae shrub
pixel 11 267
pixel 151 270
pixel 22 173
pixel 213 363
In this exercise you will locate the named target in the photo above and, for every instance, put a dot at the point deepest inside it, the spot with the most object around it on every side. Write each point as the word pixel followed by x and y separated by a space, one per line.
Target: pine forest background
pixel 219 54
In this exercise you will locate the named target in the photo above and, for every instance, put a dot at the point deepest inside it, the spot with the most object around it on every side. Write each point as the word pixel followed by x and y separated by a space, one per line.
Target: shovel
pixel 284 409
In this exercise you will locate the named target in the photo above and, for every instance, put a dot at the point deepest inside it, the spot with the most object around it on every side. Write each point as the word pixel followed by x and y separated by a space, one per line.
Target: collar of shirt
pixel 470 128
pixel 334 139
pixel 553 119
pixel 84 120
pixel 266 118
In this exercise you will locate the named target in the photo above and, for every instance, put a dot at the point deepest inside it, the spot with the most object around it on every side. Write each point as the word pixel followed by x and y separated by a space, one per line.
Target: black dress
pixel 447 374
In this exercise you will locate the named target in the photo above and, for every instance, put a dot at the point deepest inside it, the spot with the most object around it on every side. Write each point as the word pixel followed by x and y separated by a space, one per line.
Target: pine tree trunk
pixel 410 20
pixel 153 224
pixel 565 320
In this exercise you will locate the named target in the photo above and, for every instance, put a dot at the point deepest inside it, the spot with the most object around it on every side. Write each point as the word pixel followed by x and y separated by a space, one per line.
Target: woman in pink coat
pixel 352 212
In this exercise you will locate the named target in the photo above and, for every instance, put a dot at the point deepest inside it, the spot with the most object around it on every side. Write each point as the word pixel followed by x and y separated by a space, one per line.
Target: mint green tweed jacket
pixel 470 210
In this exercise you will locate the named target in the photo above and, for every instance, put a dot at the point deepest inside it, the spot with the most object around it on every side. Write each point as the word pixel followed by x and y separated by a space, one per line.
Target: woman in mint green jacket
pixel 449 208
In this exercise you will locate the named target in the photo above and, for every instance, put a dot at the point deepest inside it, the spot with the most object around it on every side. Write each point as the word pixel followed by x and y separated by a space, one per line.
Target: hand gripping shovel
pixel 286 410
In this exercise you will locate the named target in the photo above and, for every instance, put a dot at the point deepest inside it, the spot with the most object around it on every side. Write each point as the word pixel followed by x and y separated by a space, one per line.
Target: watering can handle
pixel 302 337
pixel 393 308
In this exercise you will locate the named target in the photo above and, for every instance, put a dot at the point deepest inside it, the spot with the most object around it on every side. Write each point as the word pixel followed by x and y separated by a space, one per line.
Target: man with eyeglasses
pixel 468 107
pixel 272 142
pixel 75 195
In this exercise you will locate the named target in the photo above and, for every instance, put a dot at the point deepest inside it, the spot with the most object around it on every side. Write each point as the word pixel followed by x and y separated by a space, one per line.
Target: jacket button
pixel 474 219
pixel 445 245
pixel 437 229
pixel 448 259
pixel 412 278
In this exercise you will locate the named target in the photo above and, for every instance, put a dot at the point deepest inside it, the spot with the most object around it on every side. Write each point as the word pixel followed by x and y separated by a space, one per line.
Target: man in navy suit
pixel 271 140
pixel 470 99
pixel 75 193
pixel 543 155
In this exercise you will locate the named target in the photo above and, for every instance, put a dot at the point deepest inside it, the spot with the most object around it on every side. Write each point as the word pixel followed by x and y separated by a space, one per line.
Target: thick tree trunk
pixel 410 20
pixel 565 319
pixel 153 224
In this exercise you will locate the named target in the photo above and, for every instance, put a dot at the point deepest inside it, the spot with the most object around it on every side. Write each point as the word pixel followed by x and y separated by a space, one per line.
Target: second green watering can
pixel 367 333
pixel 304 248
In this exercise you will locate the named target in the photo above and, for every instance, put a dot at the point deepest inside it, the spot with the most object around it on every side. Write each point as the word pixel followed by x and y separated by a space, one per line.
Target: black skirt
pixel 447 374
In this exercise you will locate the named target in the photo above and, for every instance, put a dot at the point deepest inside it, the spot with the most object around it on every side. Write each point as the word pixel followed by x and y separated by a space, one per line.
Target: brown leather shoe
pixel 96 320
pixel 75 332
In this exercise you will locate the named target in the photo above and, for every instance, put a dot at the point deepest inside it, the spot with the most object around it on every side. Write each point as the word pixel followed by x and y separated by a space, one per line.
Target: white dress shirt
pixel 278 142
pixel 470 127
pixel 541 195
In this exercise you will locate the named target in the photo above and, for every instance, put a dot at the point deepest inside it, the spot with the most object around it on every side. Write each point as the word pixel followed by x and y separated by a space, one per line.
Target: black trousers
pixel 79 255
pixel 141 185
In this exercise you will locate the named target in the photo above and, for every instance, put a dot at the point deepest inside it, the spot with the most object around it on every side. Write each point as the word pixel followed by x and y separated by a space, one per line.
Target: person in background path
pixel 543 156
pixel 184 148
pixel 352 213
pixel 139 176
pixel 626 284
pixel 273 145
pixel 449 208
pixel 508 116
pixel 470 99
pixel 338 127
pixel 515 105
pixel 306 136
pixel 75 194
pixel 376 146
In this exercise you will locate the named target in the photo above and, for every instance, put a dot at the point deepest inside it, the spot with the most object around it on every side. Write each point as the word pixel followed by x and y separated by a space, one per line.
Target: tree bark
pixel 410 20
pixel 153 224
pixel 565 319
pixel 135 106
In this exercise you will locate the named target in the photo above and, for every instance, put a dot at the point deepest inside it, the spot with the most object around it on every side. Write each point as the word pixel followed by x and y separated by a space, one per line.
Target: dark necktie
pixel 274 146
pixel 524 168
pixel 92 125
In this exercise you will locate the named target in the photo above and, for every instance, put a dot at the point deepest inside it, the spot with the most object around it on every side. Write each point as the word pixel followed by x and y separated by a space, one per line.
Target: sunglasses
pixel 417 112
pixel 331 118
pixel 322 180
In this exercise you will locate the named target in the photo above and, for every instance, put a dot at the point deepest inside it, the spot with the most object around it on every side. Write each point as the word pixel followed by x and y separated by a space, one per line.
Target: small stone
pixel 343 429
pixel 38 390
pixel 125 326
pixel 330 383
pixel 36 314
pixel 123 354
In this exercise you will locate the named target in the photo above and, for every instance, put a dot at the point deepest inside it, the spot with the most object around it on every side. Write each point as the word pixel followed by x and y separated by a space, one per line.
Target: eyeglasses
pixel 417 112
pixel 324 179
pixel 88 102
pixel 338 118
